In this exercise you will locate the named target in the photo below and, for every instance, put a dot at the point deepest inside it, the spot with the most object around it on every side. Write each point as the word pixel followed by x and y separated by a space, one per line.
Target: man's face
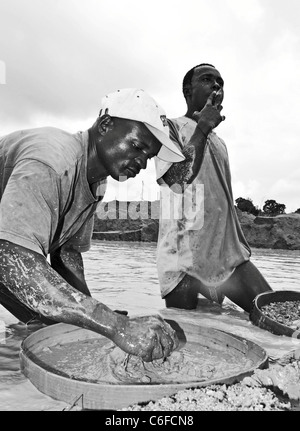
pixel 126 148
pixel 205 80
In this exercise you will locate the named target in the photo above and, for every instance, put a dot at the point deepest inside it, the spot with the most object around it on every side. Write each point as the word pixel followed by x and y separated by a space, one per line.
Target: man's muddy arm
pixel 208 118
pixel 185 172
pixel 35 283
pixel 68 262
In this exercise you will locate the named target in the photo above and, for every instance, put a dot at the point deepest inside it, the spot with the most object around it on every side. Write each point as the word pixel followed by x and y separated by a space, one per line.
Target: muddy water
pixel 123 276
pixel 101 362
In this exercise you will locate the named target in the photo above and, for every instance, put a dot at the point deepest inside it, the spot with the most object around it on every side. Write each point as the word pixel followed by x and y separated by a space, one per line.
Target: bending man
pixel 50 184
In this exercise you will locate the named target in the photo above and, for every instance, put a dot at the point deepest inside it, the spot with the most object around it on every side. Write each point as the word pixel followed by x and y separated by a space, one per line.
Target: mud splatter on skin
pixel 69 264
pixel 181 173
pixel 69 258
pixel 31 279
pixel 184 172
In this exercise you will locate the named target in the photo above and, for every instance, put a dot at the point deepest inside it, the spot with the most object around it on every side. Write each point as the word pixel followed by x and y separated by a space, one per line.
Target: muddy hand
pixel 210 116
pixel 148 337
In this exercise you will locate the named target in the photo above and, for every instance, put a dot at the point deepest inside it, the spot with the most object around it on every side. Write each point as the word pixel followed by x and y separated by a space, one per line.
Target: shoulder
pixel 181 122
pixel 54 147
pixel 185 127
pixel 53 138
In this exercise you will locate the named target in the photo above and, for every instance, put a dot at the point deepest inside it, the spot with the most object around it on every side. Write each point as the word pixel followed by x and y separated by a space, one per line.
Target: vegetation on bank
pixel 139 221
pixel 271 208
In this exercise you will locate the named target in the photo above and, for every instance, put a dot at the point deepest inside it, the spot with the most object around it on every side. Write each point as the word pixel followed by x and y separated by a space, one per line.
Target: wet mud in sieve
pixel 100 361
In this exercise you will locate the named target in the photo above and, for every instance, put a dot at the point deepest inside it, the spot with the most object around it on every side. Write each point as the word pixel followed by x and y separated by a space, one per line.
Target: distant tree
pixel 246 205
pixel 272 208
pixel 297 211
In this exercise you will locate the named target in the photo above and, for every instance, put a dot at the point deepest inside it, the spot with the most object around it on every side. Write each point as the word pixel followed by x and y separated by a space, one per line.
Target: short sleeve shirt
pixel 45 198
pixel 199 233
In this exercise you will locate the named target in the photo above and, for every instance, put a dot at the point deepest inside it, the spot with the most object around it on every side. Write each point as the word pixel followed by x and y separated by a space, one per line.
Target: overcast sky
pixel 59 57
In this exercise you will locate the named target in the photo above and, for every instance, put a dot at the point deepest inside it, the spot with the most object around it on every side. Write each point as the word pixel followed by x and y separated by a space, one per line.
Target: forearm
pixel 69 264
pixel 35 283
pixel 32 280
pixel 207 119
pixel 185 172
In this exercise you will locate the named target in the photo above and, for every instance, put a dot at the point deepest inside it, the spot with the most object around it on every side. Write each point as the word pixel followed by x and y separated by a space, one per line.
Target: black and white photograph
pixel 149 208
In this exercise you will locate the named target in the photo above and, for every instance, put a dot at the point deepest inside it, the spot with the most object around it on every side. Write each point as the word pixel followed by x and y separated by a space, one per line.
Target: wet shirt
pixel 45 198
pixel 199 233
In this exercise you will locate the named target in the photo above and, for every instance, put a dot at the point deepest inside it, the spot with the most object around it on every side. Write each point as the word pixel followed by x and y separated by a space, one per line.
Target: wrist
pixel 202 128
pixel 107 322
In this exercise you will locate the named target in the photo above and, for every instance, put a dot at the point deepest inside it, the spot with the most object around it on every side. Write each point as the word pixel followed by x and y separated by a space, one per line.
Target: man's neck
pixel 95 169
pixel 190 115
pixel 190 111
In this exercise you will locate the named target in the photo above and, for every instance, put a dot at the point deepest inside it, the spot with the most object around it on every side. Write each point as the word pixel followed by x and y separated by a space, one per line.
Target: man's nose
pixel 216 86
pixel 142 161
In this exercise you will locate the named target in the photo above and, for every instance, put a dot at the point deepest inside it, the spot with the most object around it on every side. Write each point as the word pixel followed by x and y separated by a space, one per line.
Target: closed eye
pixel 137 147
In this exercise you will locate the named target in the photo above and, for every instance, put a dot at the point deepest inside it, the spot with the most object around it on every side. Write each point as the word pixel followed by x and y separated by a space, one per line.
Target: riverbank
pixel 122 275
pixel 138 221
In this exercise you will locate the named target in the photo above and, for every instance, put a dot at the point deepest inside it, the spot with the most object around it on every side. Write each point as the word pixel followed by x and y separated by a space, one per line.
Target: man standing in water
pixel 204 251
pixel 50 184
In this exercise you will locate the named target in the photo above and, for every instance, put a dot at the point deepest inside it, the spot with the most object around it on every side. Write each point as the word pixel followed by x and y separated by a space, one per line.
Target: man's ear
pixel 104 124
pixel 187 91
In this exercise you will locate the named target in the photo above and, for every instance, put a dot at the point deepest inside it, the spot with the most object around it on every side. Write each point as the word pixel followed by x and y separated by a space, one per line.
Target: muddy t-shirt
pixel 199 233
pixel 45 198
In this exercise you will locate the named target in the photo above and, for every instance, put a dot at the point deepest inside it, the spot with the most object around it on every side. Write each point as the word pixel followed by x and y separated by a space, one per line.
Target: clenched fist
pixel 149 337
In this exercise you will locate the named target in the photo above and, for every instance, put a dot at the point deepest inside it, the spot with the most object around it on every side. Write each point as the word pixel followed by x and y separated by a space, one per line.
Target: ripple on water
pixel 123 276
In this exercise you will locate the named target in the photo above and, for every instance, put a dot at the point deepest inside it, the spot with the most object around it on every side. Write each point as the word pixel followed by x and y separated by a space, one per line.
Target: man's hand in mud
pixel 210 116
pixel 149 337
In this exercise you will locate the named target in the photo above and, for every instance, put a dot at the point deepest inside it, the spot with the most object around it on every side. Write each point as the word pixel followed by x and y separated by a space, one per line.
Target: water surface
pixel 123 276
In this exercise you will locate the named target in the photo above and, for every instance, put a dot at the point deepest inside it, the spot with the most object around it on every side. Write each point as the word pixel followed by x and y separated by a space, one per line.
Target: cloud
pixel 62 56
pixel 2 72
pixel 245 11
pixel 287 190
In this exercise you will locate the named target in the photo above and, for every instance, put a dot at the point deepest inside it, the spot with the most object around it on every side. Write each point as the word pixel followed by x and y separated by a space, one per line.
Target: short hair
pixel 189 75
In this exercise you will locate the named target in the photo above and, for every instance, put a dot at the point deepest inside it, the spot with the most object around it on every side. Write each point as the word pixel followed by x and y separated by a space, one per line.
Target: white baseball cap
pixel 136 104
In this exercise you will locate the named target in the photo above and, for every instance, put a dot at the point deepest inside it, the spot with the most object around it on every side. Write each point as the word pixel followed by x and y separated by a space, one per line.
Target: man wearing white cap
pixel 50 184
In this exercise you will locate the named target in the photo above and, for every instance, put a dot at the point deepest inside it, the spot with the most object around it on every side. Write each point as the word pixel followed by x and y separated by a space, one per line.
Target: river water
pixel 123 276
